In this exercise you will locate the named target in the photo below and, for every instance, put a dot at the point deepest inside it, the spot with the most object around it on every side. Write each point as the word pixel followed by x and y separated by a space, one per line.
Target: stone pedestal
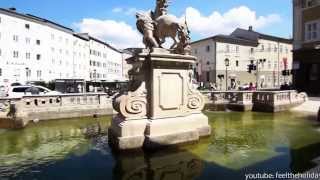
pixel 162 107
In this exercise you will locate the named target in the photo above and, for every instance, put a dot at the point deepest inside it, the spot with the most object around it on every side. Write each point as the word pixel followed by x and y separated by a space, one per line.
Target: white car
pixel 29 90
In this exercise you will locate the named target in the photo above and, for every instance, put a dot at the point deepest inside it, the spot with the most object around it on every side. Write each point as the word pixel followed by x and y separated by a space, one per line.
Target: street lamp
pixel 255 67
pixel 95 79
pixel 227 64
pixel 260 61
pixel 27 74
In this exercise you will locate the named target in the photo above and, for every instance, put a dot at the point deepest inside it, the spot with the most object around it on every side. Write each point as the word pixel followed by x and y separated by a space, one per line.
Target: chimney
pixel 12 9
pixel 250 28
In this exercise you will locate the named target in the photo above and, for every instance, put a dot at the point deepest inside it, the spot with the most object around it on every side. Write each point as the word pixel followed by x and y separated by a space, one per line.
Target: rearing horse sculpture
pixel 165 26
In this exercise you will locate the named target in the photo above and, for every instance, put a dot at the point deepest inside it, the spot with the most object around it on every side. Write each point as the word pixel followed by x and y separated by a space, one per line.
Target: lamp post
pixel 227 64
pixel 27 74
pixel 260 61
pixel 95 79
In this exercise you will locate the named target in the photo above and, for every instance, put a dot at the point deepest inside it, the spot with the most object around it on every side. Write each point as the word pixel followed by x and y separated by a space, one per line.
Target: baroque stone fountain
pixel 162 107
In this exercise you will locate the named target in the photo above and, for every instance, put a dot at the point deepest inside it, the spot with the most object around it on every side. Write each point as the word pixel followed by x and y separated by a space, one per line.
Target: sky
pixel 114 20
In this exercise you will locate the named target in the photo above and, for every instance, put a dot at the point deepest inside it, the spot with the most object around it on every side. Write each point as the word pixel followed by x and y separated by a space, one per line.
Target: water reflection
pixel 44 143
pixel 243 140
pixel 163 165
pixel 240 143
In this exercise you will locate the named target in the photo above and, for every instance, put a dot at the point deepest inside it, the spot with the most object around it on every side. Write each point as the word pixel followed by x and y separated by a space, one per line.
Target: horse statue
pixel 145 26
pixel 158 25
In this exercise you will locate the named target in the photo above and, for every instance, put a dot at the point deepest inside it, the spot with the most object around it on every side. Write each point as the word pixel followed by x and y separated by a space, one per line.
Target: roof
pixel 104 43
pixel 253 35
pixel 36 19
pixel 84 36
pixel 235 40
pixel 245 37
pixel 230 39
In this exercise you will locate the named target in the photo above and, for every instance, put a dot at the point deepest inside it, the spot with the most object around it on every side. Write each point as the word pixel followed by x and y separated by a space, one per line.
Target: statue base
pixel 162 108
pixel 151 134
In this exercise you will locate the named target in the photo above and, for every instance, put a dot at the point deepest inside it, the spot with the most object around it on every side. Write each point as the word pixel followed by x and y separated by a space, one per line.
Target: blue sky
pixel 117 21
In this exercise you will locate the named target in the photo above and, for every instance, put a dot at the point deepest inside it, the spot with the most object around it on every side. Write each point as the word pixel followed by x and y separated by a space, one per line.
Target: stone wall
pixel 36 108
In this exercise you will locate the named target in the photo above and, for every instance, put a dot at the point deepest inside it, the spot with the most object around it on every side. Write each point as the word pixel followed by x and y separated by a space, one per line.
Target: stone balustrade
pixel 46 107
pixel 270 101
pixel 274 101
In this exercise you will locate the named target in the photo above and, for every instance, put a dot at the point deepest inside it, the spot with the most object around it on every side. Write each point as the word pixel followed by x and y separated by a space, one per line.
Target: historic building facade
pixel 36 49
pixel 225 60
pixel 306 54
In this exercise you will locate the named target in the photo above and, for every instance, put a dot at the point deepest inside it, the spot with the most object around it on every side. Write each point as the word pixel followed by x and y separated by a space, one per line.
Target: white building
pixel 105 62
pixel 242 48
pixel 36 49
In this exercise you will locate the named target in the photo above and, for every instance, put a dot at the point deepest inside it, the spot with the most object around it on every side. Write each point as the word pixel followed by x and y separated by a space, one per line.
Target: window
pixel 237 63
pixel 38 56
pixel 0 20
pixel 208 76
pixel 15 38
pixel 39 73
pixel 237 49
pixel 227 48
pixel 38 42
pixel 0 52
pixel 196 51
pixel 208 62
pixel 269 47
pixel 311 31
pixel 208 48
pixel 52 36
pixel 15 54
pixel 281 47
pixel 311 3
pixel 262 47
pixel 19 89
pixel 27 26
pixel 27 40
pixel 251 50
pixel 0 72
pixel 275 48
pixel 27 55
pixel 314 72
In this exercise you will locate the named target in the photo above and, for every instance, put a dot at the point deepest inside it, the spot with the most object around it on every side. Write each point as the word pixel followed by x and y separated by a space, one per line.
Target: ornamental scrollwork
pixel 133 105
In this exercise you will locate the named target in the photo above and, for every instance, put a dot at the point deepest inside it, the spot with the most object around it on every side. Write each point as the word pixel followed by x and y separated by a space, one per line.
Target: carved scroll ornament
pixel 133 105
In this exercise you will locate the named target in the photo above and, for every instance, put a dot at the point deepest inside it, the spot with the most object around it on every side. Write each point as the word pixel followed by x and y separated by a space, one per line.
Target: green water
pixel 241 143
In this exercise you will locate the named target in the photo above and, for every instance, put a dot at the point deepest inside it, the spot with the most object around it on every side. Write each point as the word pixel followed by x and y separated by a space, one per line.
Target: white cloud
pixel 117 33
pixel 122 35
pixel 126 11
pixel 217 23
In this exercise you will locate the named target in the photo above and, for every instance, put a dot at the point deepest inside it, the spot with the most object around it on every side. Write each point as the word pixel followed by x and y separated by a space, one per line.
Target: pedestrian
pixel 250 87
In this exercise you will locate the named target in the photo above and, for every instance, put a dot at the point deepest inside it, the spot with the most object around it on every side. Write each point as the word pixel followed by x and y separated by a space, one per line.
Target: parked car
pixel 28 90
